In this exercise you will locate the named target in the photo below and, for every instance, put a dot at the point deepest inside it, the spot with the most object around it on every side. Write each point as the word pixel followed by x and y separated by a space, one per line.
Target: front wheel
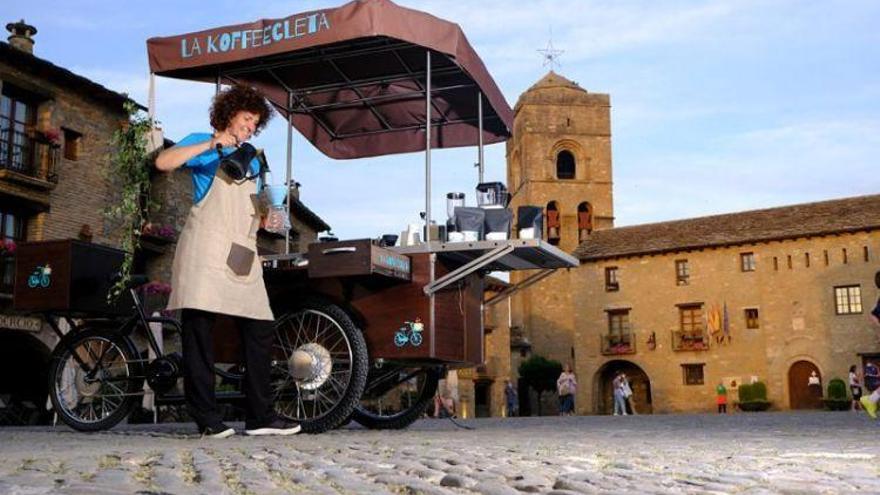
pixel 396 396
pixel 320 366
pixel 98 392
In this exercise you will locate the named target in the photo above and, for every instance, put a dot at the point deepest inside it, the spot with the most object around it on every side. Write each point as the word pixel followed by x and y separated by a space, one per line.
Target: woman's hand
pixel 224 139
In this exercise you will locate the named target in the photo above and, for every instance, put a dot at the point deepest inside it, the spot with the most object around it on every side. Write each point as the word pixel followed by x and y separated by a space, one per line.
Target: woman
pixel 617 392
pixel 216 269
pixel 566 386
pixel 855 387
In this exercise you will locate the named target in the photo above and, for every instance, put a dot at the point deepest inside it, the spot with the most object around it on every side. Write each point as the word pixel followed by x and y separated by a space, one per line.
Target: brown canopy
pixel 352 78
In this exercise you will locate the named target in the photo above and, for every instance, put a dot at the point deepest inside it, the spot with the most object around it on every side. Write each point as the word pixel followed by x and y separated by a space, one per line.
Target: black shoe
pixel 278 426
pixel 216 430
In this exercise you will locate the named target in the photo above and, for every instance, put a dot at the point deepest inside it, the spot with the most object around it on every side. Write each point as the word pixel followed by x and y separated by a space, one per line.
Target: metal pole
pixel 288 178
pixel 427 146
pixel 480 162
pixel 217 89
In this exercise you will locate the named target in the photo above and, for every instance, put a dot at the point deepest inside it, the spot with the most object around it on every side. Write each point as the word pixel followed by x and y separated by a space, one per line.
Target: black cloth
pixel 876 310
pixel 198 368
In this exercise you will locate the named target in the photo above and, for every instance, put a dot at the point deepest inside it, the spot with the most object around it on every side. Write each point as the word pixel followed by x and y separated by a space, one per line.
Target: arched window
pixel 554 223
pixel 565 165
pixel 585 221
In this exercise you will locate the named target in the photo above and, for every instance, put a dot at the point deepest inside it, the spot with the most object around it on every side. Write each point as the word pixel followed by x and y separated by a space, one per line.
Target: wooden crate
pixel 356 258
pixel 68 276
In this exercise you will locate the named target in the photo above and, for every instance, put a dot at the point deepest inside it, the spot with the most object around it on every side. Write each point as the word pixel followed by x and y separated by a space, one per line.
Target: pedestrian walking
pixel 869 402
pixel 511 398
pixel 566 386
pixel 627 394
pixel 855 387
pixel 617 392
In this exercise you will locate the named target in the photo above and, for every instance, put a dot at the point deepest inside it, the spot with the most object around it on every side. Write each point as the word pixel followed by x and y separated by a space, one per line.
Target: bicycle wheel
pixel 396 397
pixel 101 393
pixel 320 367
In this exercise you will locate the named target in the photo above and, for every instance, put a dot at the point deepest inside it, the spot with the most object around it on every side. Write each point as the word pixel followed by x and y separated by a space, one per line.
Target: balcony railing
pixel 616 344
pixel 21 153
pixel 690 341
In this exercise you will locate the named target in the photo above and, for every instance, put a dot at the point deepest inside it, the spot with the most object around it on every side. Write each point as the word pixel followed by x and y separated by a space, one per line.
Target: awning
pixel 351 78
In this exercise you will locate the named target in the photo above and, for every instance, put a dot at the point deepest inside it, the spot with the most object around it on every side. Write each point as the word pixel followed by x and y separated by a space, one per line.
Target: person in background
pixel 721 398
pixel 855 387
pixel 511 398
pixel 869 402
pixel 627 394
pixel 617 391
pixel 566 386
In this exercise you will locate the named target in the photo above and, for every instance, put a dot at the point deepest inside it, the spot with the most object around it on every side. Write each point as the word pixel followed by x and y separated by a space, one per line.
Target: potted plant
pixel 836 399
pixel 158 232
pixel 7 247
pixel 753 397
pixel 155 296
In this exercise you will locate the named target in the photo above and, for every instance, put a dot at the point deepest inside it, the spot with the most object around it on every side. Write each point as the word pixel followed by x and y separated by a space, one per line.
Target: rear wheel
pixel 320 366
pixel 99 392
pixel 396 397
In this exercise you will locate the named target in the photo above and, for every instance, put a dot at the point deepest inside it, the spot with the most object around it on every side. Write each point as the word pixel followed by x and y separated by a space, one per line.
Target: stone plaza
pixel 781 452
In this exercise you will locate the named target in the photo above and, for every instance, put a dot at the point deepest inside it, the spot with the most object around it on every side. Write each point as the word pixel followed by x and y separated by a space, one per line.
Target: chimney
pixel 20 36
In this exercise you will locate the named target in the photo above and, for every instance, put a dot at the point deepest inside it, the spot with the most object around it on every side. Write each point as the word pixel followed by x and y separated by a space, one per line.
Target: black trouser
pixel 722 408
pixel 198 367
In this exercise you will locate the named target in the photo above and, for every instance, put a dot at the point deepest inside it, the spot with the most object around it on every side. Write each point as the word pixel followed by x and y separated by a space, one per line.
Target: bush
pixel 540 373
pixel 836 399
pixel 837 389
pixel 753 397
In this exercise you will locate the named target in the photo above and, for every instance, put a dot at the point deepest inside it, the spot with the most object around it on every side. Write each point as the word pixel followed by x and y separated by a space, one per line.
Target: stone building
pixel 681 306
pixel 56 131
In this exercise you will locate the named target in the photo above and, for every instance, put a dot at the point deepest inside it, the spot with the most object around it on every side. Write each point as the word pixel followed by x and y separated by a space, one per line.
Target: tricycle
pixel 364 331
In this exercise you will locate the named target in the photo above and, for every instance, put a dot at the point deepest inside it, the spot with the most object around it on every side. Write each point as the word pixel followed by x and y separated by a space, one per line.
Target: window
pixel 12 227
pixel 611 283
pixel 72 142
pixel 17 119
pixel 844 256
pixel 825 254
pixel 565 165
pixel 788 261
pixel 618 323
pixel 848 299
pixel 693 373
pixel 807 259
pixel 866 254
pixel 691 318
pixel 752 320
pixel 554 225
pixel 682 272
pixel 747 262
pixel 775 264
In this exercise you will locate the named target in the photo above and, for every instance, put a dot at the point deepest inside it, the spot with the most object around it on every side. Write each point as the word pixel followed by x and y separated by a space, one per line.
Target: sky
pixel 717 106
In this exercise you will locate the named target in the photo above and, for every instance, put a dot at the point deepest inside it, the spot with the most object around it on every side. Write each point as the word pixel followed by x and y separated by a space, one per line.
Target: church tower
pixel 559 158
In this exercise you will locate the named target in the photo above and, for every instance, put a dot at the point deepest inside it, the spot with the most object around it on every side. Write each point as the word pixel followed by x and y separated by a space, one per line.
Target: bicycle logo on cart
pixel 409 333
pixel 40 277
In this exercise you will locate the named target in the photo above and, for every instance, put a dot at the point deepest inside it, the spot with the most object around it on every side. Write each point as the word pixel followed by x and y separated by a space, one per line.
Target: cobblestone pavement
pixel 813 452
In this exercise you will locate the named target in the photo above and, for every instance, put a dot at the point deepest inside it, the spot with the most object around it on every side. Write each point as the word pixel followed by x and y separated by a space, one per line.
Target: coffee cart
pixel 365 331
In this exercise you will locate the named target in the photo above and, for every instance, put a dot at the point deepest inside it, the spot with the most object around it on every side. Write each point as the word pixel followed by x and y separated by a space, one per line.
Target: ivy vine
pixel 131 171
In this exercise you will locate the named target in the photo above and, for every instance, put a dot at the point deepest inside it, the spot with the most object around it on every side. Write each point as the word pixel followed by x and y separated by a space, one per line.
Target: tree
pixel 540 374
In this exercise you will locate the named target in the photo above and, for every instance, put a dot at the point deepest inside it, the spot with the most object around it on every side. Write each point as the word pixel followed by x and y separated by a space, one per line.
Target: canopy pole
pixel 289 172
pixel 427 146
pixel 217 89
pixel 480 162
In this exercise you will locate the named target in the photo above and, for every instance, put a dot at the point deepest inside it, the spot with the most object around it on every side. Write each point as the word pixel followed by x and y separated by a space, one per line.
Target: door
pixel 804 392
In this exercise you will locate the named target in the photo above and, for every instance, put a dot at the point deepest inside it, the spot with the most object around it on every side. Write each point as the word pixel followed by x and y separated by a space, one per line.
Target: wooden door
pixel 801 394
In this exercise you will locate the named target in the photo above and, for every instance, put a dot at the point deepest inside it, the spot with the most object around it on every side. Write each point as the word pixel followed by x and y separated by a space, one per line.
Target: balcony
pixel 27 160
pixel 617 344
pixel 690 341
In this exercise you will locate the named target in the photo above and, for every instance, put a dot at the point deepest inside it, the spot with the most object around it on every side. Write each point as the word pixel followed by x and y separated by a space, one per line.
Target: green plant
pixel 753 397
pixel 130 170
pixel 836 399
pixel 540 373
pixel 837 389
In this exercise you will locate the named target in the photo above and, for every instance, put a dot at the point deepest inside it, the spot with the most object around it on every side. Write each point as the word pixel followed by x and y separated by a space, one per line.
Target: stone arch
pixel 802 394
pixel 585 220
pixel 640 382
pixel 24 368
pixel 574 150
pixel 553 221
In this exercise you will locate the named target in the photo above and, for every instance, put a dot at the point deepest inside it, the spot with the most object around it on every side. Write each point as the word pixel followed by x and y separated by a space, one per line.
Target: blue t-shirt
pixel 204 166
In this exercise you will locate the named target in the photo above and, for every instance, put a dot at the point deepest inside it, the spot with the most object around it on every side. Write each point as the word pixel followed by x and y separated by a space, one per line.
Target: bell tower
pixel 559 159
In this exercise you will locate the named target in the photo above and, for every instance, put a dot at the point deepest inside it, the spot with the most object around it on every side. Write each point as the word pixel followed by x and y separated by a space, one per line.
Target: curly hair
pixel 239 98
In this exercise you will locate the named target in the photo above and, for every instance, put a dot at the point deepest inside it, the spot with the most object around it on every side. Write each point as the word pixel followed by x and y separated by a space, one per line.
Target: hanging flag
pixel 725 323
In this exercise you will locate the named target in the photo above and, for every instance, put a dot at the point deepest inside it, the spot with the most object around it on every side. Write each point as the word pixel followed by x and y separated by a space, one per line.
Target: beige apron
pixel 212 269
